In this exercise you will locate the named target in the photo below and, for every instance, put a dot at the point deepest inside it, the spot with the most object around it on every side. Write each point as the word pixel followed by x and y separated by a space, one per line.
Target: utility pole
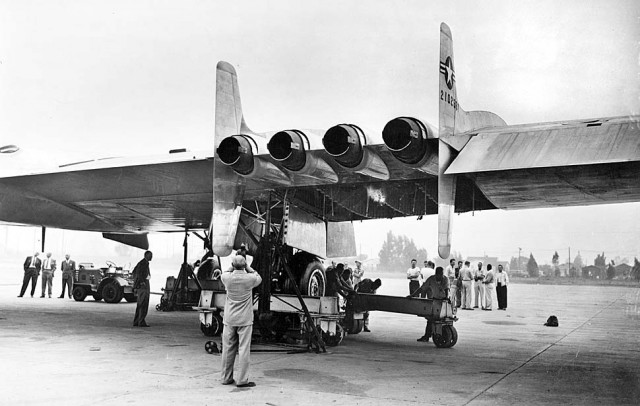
pixel 569 267
pixel 519 267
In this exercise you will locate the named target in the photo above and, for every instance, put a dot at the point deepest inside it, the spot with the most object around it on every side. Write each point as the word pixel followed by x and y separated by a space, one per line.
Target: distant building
pixel 623 271
pixel 591 271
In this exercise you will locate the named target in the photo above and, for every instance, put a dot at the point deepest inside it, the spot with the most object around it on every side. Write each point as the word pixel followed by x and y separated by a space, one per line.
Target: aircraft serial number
pixel 450 100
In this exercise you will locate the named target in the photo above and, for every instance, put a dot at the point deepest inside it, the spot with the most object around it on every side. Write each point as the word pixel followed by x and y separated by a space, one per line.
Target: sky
pixel 88 79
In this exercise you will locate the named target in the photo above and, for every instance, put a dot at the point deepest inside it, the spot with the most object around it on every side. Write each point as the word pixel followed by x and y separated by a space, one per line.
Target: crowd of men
pixel 33 266
pixel 468 288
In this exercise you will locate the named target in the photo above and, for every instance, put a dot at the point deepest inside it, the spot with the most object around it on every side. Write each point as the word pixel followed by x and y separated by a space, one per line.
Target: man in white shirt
pixel 357 273
pixel 479 288
pixel 488 288
pixel 413 274
pixel 239 282
pixel 426 272
pixel 450 273
pixel 48 269
pixel 466 274
pixel 502 280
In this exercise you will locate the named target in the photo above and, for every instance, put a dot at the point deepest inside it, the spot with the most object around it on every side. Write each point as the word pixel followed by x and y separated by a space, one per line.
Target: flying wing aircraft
pixel 304 187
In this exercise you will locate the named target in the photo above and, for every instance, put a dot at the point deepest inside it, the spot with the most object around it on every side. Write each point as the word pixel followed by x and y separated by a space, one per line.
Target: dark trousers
pixel 68 283
pixel 143 303
pixel 501 292
pixel 29 275
pixel 428 330
pixel 413 287
pixel 459 296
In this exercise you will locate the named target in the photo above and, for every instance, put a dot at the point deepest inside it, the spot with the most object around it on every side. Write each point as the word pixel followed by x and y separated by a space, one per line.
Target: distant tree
pixel 387 253
pixel 555 260
pixel 532 267
pixel 577 262
pixel 600 261
pixel 573 272
pixel 398 251
pixel 513 263
pixel 611 271
pixel 635 271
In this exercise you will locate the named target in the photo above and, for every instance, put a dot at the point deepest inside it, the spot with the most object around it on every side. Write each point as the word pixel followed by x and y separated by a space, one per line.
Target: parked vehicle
pixel 112 283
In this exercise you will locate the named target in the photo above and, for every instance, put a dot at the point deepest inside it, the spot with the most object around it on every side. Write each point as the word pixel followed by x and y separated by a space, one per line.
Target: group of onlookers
pixel 48 266
pixel 465 283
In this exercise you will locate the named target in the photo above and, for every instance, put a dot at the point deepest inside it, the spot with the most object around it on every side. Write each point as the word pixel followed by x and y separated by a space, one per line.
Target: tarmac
pixel 58 351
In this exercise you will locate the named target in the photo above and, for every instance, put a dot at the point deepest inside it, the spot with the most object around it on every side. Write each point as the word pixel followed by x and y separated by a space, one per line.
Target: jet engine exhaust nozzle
pixel 289 148
pixel 345 143
pixel 407 139
pixel 236 151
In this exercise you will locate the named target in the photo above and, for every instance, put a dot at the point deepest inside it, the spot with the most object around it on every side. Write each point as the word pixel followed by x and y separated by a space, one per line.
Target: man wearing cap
pixel 357 273
pixel 239 282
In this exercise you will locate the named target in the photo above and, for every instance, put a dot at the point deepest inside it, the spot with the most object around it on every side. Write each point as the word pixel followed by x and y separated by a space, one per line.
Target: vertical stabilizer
pixel 229 117
pixel 228 186
pixel 448 108
pixel 456 126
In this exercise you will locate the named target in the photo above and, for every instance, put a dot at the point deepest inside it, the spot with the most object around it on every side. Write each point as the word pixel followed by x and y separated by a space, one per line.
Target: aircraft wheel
pixel 158 307
pixel 313 281
pixel 357 326
pixel 79 293
pixel 333 340
pixel 130 297
pixel 111 292
pixel 97 297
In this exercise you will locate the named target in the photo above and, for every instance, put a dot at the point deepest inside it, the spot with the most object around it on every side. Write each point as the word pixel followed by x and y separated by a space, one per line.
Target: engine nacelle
pixel 346 144
pixel 412 143
pixel 237 152
pixel 289 149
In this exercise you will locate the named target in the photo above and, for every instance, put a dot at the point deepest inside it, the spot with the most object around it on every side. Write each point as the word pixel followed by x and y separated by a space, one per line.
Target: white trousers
pixel 479 291
pixel 236 340
pixel 488 293
pixel 466 294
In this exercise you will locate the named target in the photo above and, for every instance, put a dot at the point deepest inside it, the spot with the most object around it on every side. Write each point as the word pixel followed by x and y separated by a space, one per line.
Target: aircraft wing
pixel 122 195
pixel 555 164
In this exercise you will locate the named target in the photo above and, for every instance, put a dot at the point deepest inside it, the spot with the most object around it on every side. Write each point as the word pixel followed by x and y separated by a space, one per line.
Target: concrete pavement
pixel 57 351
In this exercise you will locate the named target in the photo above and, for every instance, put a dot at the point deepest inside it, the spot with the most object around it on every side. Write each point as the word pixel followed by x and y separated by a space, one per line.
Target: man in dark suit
pixel 68 269
pixel 32 267
pixel 141 285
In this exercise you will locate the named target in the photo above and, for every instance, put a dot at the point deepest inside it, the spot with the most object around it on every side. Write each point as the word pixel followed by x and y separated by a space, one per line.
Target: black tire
pixel 97 297
pixel 215 328
pixel 357 326
pixel 111 292
pixel 79 293
pixel 454 336
pixel 130 297
pixel 443 340
pixel 313 281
